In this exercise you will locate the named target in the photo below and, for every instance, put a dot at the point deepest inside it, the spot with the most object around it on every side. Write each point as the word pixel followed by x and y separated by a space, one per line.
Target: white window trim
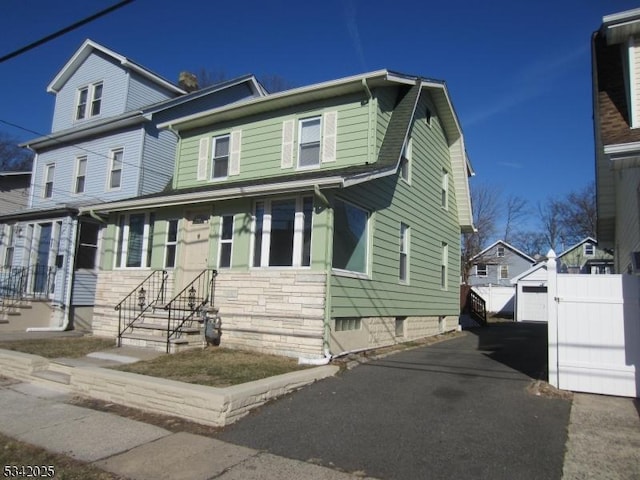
pixel 213 152
pixel 125 243
pixel 229 241
pixel 500 267
pixel 298 234
pixel 445 190
pixel 88 106
pixel 498 252
pixel 74 189
pixel 112 153
pixel 405 235
pixel 167 242
pixel 299 148
pixel 407 156
pixel 47 168
pixel 486 271
pixel 444 262
pixel 593 250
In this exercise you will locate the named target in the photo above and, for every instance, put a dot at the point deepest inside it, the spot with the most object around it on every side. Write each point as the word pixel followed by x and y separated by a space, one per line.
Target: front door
pixel 194 249
pixel 42 259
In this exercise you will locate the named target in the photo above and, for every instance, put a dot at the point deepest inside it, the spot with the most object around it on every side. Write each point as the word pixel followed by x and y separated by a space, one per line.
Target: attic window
pixel 94 92
pixel 500 252
pixel 589 249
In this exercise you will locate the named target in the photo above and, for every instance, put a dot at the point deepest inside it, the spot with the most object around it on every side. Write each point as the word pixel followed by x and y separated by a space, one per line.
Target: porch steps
pixel 151 333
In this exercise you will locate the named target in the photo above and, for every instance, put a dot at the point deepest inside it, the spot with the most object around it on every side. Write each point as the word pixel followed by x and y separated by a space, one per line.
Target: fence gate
pixel 594 333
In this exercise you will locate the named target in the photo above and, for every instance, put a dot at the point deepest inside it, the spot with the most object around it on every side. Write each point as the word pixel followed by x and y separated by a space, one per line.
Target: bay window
pixel 350 237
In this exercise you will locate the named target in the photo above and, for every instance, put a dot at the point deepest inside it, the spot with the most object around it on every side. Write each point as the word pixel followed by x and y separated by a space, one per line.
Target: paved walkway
pixel 428 426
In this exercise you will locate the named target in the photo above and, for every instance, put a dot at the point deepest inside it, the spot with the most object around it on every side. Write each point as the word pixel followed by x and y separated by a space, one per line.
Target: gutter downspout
pixel 326 325
pixel 69 284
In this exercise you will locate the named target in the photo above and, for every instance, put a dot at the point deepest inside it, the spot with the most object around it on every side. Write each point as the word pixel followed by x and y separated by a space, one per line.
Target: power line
pixel 59 33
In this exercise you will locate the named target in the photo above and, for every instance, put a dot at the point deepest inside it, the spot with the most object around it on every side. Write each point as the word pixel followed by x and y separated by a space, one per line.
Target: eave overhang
pixel 618 27
pixel 87 130
pixel 27 215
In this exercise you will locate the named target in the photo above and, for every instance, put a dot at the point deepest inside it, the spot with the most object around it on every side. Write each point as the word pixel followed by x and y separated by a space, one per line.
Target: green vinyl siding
pixel 386 101
pixel 418 205
pixel 261 145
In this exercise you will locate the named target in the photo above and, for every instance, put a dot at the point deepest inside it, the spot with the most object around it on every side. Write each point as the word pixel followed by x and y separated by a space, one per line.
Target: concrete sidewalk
pixel 40 416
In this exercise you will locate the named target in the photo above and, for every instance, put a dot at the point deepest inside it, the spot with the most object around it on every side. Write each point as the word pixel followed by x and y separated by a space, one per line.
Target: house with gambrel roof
pixel 330 213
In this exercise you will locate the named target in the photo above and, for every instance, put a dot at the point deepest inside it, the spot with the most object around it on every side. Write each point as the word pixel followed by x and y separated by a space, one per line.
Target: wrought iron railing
pixel 34 282
pixel 187 305
pixel 150 294
pixel 477 308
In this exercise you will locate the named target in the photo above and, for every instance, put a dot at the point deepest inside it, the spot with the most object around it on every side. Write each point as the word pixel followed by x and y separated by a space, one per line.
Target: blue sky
pixel 518 72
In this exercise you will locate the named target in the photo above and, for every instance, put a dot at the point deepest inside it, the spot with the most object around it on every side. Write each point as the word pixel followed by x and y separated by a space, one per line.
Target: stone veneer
pixel 271 311
pixel 381 331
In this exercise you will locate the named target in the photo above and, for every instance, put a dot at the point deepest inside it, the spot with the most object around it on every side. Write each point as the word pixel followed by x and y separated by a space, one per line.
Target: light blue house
pixel 498 264
pixel 104 146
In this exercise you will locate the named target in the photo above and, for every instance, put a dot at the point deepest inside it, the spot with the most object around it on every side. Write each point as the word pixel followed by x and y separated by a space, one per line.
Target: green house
pixel 332 214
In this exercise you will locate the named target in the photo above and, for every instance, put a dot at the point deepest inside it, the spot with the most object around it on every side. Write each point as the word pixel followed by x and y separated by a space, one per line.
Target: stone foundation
pixel 381 331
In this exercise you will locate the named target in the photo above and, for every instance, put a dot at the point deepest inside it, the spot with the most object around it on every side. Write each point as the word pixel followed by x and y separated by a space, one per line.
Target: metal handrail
pixel 189 302
pixel 135 304
pixel 36 281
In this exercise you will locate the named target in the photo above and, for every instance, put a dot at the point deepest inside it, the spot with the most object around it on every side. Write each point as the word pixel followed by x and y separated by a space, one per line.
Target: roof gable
pixel 506 245
pixel 86 49
pixel 580 243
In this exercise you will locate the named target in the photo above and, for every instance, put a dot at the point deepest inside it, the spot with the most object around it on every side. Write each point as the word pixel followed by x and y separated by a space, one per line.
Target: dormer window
pixel 93 92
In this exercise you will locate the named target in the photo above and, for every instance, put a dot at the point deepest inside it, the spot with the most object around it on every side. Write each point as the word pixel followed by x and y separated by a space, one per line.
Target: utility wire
pixel 59 33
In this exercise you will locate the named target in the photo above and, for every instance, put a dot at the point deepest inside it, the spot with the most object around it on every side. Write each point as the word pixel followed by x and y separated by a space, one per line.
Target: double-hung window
pixel 481 270
pixel 309 155
pixel 504 272
pixel 350 237
pixel 49 172
pixel 115 171
pixel 89 101
pixel 220 154
pixel 404 253
pixel 444 192
pixel 81 173
pixel 282 232
pixel 226 241
pixel 171 244
pixel 405 160
pixel 500 252
pixel 589 249
pixel 133 249
pixel 444 276
pixel 10 245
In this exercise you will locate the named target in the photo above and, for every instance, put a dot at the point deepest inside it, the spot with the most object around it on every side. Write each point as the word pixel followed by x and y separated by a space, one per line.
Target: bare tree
pixel 515 213
pixel 533 243
pixel 579 214
pixel 13 157
pixel 550 213
pixel 207 77
pixel 275 83
pixel 485 200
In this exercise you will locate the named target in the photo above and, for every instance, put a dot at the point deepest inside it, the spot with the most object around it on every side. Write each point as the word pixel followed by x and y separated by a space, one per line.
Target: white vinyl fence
pixel 499 300
pixel 594 332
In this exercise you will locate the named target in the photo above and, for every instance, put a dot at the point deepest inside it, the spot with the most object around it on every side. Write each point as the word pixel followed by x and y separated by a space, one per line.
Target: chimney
pixel 188 82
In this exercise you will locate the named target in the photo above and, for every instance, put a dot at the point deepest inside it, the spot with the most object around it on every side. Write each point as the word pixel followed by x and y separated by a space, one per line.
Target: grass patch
pixel 214 367
pixel 15 453
pixel 70 347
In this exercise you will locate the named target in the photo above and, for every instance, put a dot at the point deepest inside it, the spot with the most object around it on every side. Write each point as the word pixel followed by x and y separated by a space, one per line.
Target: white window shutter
pixel 234 154
pixel 287 144
pixel 329 134
pixel 203 159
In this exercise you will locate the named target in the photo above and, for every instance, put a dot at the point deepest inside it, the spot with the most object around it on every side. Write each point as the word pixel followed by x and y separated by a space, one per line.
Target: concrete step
pixel 57 377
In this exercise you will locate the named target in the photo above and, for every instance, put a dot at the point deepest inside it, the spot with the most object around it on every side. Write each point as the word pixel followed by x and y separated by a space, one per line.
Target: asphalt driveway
pixel 457 409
